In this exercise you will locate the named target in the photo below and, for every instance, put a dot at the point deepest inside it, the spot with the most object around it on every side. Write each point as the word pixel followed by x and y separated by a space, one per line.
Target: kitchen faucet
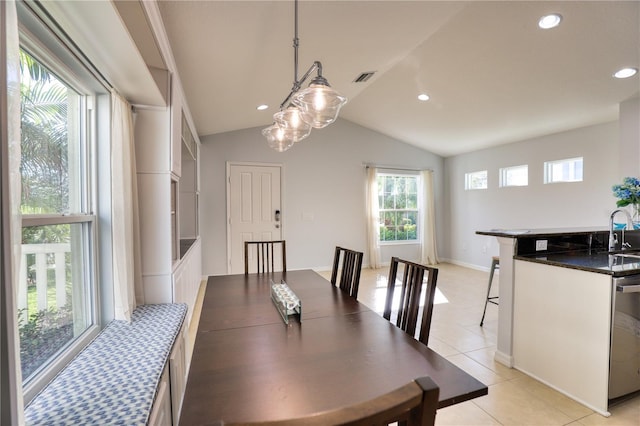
pixel 613 238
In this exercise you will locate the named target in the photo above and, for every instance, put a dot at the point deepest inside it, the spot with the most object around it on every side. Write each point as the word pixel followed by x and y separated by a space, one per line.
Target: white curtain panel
pixel 127 274
pixel 373 218
pixel 11 182
pixel 429 251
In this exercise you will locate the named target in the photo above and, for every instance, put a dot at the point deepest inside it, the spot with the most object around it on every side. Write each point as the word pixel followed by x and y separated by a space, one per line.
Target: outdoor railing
pixel 47 257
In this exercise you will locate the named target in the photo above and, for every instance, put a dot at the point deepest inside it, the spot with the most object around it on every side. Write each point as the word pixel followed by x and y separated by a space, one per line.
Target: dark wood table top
pixel 249 366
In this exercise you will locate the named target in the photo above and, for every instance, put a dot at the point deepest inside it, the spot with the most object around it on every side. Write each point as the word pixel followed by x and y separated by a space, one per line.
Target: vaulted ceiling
pixel 492 75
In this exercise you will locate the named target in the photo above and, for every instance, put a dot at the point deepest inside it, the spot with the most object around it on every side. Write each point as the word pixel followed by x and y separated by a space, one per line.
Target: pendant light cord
pixel 317 106
pixel 315 66
pixel 296 43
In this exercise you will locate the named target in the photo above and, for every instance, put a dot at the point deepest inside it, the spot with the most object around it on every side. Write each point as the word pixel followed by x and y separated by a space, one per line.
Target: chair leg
pixel 494 265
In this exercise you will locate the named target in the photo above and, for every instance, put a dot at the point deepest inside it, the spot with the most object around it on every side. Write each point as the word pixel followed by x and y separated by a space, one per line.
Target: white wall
pixel 537 205
pixel 630 137
pixel 323 178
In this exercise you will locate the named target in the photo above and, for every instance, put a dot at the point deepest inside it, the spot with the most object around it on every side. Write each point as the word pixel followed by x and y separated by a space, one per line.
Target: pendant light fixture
pixel 316 106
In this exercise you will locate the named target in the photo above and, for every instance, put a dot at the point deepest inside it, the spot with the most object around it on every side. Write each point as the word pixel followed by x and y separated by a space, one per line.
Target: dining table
pixel 248 365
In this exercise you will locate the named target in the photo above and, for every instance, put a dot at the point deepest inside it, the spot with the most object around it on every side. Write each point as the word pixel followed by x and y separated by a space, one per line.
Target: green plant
pixel 44 139
pixel 41 335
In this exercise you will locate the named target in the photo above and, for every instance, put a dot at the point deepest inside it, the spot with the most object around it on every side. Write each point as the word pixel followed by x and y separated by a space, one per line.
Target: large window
pixel 398 204
pixel 56 288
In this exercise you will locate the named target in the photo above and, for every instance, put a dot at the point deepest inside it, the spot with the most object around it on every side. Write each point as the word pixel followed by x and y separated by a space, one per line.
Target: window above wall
pixel 514 176
pixel 567 170
pixel 475 180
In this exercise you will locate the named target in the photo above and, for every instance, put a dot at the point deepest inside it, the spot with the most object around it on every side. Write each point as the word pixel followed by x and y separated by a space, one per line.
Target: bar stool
pixel 495 264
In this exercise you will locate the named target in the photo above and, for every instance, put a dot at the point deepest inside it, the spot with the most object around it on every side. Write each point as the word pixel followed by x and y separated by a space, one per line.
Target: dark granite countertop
pixel 515 233
pixel 589 261
pixel 583 248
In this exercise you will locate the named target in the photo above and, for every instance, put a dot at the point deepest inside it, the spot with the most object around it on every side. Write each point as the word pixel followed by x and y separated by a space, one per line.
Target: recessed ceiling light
pixel 626 72
pixel 550 21
pixel 423 97
pixel 262 107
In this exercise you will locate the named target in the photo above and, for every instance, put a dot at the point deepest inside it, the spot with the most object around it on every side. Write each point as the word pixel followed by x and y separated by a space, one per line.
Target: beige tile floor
pixel 514 398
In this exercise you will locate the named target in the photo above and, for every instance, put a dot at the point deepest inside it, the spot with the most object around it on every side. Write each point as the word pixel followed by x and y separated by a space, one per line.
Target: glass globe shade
pixel 291 122
pixel 277 138
pixel 319 104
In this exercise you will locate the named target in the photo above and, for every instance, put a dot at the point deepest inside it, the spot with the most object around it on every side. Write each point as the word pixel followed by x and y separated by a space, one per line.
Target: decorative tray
pixel 286 301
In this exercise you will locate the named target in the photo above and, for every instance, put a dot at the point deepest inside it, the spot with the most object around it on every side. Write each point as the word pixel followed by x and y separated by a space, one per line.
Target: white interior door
pixel 254 208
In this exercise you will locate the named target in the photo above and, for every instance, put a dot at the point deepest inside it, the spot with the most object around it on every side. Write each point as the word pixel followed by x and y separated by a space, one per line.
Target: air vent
pixel 364 77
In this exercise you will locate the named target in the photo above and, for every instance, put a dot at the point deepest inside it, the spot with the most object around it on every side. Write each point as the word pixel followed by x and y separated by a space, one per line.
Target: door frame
pixel 231 164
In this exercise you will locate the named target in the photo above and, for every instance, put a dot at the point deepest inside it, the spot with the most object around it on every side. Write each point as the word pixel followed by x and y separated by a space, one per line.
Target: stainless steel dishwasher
pixel 624 364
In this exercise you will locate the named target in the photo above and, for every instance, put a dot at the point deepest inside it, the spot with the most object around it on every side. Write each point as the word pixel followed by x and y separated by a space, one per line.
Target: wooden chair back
pixel 414 404
pixel 265 255
pixel 413 278
pixel 349 271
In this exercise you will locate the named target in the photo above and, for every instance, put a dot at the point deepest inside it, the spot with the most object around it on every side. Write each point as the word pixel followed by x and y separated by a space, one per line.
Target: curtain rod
pixel 45 17
pixel 386 166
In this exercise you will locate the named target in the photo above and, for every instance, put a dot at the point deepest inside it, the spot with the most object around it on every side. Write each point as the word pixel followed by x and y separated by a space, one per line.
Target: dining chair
pixel 413 404
pixel 408 309
pixel 349 271
pixel 265 255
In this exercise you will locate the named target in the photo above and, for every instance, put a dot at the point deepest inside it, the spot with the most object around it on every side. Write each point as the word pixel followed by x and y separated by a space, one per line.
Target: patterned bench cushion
pixel 115 378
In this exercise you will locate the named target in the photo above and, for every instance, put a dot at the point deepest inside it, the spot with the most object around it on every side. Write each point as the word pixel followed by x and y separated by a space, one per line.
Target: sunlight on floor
pixel 514 398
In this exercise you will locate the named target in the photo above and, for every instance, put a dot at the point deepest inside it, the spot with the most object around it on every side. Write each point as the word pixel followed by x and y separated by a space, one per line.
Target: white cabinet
pixel 153 149
pixel 189 192
pixel 168 203
pixel 168 402
pixel 161 411
pixel 155 223
pixel 561 330
pixel 175 238
pixel 178 373
pixel 176 130
pixel 154 197
pixel 167 163
pixel 187 277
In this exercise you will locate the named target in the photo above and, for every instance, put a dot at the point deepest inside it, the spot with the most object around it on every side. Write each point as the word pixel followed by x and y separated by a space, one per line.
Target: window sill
pixel 399 243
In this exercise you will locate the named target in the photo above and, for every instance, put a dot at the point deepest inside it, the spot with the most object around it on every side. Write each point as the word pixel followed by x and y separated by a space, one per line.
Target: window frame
pixel 504 176
pixel 418 210
pixel 570 162
pixel 40 42
pixel 469 179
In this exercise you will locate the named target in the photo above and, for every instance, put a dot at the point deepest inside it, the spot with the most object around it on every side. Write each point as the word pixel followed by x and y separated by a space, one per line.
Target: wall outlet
pixel 541 245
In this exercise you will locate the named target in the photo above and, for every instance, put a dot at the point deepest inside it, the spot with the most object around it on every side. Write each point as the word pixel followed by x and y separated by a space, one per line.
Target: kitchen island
pixel 555 312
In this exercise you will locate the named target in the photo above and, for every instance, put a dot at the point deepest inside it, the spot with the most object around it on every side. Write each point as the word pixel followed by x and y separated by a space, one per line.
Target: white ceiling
pixel 493 76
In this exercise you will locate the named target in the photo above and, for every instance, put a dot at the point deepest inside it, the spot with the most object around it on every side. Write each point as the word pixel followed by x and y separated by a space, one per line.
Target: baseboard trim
pixel 504 359
pixel 466 265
